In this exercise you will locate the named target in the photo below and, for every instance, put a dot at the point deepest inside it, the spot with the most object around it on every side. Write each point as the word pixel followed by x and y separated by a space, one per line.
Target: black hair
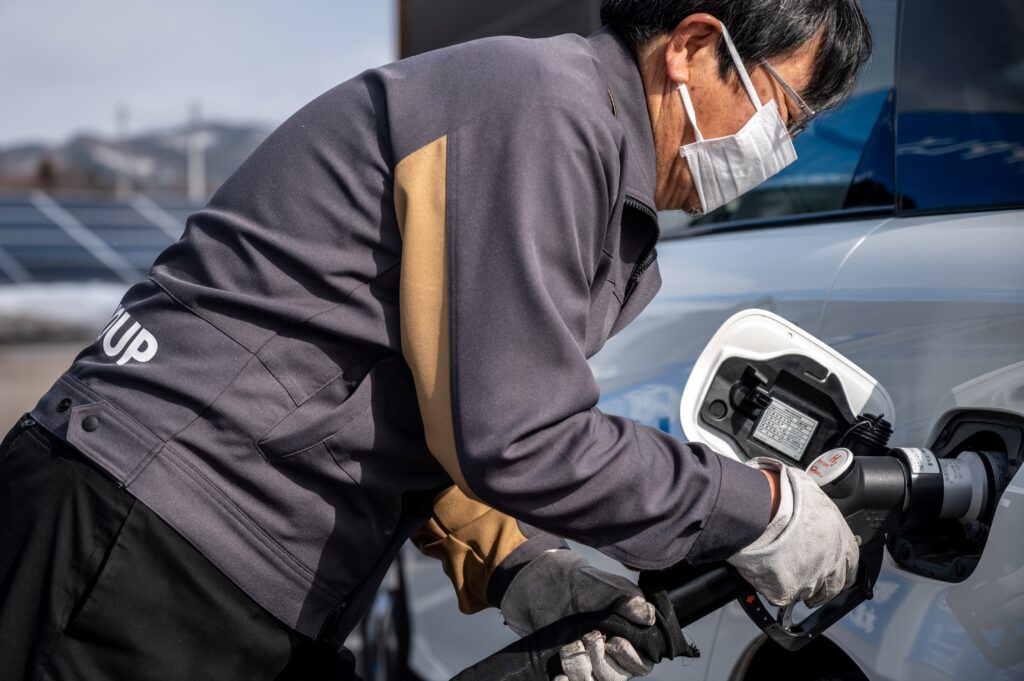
pixel 764 29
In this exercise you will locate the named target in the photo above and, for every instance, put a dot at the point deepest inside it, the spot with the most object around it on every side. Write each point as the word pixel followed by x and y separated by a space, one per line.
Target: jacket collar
pixel 630 103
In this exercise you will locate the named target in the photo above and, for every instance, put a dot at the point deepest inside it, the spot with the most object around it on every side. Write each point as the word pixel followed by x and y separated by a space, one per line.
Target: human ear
pixel 692 41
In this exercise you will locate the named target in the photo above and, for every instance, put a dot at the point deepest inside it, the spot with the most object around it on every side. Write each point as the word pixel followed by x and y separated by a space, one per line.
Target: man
pixel 378 328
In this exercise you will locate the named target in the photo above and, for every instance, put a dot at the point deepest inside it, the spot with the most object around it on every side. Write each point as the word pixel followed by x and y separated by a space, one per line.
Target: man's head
pixel 816 47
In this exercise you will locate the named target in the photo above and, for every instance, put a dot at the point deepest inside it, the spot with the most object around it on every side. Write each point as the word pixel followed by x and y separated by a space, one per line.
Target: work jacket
pixel 380 326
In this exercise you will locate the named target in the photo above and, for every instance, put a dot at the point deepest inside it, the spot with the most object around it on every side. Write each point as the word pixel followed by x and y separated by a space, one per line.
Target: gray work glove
pixel 561 583
pixel 807 553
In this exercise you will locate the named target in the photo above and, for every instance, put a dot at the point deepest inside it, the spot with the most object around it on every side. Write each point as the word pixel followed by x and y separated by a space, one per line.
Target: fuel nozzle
pixel 869 490
pixel 964 488
pixel 910 486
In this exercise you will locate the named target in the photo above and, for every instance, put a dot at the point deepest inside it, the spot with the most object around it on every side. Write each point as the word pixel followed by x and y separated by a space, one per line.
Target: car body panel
pixel 933 306
pixel 929 303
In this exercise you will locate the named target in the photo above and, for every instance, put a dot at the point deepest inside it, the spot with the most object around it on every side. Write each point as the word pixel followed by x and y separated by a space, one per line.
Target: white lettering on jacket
pixel 135 343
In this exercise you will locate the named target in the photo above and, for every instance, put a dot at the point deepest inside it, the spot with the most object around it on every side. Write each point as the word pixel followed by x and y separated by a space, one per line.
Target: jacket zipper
pixel 650 253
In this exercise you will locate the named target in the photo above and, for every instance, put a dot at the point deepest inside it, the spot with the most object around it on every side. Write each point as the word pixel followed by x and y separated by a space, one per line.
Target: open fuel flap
pixel 765 387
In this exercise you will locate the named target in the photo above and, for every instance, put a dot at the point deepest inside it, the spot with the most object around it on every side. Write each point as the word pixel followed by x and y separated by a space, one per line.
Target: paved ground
pixel 26 371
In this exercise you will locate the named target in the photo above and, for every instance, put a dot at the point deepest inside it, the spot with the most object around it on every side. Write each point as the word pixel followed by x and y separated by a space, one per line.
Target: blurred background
pixel 120 119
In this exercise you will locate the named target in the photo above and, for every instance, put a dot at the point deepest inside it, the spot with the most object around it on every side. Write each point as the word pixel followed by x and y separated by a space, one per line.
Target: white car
pixel 898 239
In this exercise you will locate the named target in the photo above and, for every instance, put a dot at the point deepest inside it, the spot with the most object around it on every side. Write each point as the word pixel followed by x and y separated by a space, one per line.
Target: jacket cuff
pixel 740 515
pixel 537 543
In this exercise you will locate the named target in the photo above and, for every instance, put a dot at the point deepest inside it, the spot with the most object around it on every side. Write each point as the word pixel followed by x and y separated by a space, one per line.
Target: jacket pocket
pixel 330 412
pixel 98 567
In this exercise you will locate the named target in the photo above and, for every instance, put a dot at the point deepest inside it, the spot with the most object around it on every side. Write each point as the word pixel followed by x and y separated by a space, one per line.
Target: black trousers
pixel 95 587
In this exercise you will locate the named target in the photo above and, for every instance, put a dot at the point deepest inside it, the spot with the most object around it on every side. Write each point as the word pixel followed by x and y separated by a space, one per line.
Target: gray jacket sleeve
pixel 503 222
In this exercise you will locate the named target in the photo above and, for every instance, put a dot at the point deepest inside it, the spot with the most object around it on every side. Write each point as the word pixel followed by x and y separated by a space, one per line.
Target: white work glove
pixel 807 553
pixel 561 583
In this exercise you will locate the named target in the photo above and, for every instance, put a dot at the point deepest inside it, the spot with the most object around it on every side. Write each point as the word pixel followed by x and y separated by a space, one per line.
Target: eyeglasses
pixel 797 126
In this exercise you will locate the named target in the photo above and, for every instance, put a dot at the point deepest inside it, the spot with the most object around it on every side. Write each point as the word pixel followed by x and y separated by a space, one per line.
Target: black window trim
pixel 957 210
pixel 843 215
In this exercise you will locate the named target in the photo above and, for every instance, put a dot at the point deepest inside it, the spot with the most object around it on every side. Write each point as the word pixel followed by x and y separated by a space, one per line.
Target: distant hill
pixel 156 160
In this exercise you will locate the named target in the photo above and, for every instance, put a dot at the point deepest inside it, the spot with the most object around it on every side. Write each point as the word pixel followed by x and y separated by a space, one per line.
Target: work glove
pixel 560 583
pixel 807 553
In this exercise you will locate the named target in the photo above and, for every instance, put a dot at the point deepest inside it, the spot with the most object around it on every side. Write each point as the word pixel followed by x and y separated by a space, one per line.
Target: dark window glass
pixel 844 158
pixel 960 101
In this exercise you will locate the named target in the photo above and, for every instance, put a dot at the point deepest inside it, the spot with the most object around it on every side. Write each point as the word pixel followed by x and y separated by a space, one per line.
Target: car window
pixel 837 151
pixel 960 105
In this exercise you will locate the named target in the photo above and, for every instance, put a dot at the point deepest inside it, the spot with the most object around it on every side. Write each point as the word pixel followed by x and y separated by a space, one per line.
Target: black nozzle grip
pixel 680 597
pixel 535 657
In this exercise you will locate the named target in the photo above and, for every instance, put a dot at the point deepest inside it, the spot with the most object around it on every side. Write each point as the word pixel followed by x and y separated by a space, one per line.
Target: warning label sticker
pixel 785 429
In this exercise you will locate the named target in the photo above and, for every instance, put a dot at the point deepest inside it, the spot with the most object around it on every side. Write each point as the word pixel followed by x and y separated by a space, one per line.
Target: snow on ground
pixel 40 312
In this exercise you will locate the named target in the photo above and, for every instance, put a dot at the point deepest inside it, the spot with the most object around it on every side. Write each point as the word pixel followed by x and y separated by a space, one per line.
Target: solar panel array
pixel 60 239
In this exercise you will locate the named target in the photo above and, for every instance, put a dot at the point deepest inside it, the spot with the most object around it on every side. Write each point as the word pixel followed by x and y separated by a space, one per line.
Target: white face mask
pixel 725 167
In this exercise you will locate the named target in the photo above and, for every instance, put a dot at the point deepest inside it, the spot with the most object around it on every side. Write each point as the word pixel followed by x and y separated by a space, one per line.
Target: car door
pixel 932 305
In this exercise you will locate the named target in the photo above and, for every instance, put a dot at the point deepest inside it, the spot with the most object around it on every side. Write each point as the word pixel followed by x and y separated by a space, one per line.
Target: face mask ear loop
pixel 688 105
pixel 741 69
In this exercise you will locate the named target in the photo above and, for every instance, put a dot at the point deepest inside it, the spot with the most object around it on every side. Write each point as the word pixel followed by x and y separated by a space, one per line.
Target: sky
pixel 67 65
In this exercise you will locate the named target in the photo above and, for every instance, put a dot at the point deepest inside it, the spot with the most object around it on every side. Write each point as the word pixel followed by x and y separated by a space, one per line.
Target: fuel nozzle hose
pixel 536 657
